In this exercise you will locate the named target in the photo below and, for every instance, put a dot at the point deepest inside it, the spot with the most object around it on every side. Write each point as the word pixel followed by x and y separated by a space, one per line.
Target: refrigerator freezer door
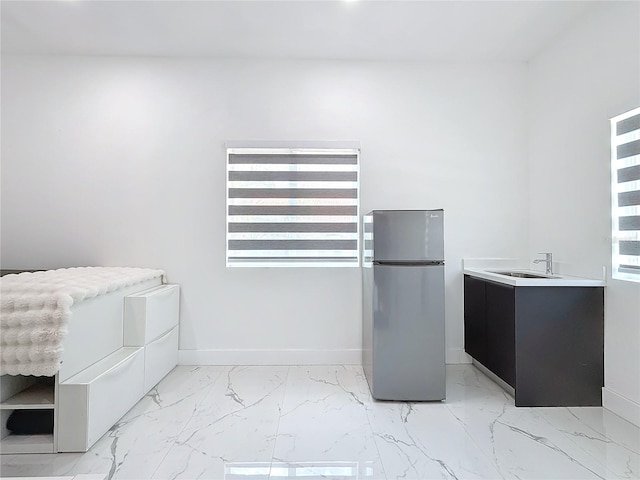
pixel 408 351
pixel 408 235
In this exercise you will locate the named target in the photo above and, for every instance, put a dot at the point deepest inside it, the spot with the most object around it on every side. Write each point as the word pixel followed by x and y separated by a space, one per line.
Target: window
pixel 625 187
pixel 292 207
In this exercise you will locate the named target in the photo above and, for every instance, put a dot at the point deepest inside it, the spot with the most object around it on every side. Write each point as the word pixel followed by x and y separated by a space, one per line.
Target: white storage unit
pixel 160 357
pixel 26 393
pixel 151 321
pixel 92 401
pixel 93 396
pixel 96 329
pixel 150 314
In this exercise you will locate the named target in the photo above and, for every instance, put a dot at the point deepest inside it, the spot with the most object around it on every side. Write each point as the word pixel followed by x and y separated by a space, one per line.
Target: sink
pixel 524 274
pixel 521 276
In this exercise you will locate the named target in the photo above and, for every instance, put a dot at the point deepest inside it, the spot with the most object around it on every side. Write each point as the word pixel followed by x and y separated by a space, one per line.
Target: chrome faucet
pixel 548 260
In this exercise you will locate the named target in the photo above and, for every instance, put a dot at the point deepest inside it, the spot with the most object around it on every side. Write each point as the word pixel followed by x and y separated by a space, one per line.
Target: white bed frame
pixel 101 356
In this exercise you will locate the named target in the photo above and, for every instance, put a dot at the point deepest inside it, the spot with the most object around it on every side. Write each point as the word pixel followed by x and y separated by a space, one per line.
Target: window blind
pixel 625 158
pixel 292 207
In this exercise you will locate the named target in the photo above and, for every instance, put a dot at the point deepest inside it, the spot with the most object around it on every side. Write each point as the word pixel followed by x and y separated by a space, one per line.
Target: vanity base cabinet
pixel 545 342
pixel 560 346
pixel 475 319
pixel 501 343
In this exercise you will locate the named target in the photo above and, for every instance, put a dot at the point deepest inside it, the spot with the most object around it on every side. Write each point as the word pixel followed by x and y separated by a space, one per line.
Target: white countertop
pixel 490 273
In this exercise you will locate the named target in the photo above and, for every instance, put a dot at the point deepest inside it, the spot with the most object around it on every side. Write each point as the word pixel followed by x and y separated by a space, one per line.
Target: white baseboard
pixel 621 406
pixel 270 357
pixel 290 357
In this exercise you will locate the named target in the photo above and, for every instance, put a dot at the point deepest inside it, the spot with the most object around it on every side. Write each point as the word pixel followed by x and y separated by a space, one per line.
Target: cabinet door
pixel 560 335
pixel 500 321
pixel 475 338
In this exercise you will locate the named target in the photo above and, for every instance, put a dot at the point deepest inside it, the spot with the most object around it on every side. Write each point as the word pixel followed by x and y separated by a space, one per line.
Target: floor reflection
pixel 306 470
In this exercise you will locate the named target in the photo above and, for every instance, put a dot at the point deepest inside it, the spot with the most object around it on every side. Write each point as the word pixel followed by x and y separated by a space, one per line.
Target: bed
pixel 69 340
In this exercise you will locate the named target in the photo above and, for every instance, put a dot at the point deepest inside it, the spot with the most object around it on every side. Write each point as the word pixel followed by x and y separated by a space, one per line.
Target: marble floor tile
pixel 318 422
pixel 74 477
pixel 324 419
pixel 466 384
pixel 620 459
pixel 610 425
pixel 516 439
pixel 424 440
pixel 236 422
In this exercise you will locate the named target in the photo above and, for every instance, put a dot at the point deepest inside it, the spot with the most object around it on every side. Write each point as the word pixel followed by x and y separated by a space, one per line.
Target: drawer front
pixel 96 329
pixel 150 314
pixel 88 410
pixel 161 356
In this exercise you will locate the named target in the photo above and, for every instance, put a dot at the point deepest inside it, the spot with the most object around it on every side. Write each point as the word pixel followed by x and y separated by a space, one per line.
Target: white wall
pixel 577 84
pixel 120 161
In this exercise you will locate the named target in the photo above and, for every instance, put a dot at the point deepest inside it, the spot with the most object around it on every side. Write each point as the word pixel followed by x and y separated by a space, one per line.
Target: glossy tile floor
pixel 320 422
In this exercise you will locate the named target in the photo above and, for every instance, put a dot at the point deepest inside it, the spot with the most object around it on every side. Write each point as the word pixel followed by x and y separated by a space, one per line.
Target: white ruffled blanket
pixel 36 308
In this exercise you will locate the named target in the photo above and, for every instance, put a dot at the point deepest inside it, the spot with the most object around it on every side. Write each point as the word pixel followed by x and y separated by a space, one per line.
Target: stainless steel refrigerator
pixel 403 347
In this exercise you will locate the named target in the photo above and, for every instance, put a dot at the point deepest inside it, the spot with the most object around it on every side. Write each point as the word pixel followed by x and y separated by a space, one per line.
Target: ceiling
pixel 448 30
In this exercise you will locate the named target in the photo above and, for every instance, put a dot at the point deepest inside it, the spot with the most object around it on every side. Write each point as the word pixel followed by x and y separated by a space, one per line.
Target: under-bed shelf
pixel 38 396
pixel 27 444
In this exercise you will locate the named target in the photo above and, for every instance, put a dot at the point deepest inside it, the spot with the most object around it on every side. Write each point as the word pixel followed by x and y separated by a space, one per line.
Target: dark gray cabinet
pixel 475 325
pixel 501 345
pixel 545 342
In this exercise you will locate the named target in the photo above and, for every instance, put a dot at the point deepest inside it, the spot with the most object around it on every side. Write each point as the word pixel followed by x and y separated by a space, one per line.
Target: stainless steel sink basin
pixel 523 275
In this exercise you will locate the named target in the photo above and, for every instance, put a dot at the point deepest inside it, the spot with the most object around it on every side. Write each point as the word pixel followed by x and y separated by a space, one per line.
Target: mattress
pixel 36 308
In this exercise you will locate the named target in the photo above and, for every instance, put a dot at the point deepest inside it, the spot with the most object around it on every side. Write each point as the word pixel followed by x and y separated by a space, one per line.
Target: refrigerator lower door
pixel 408 338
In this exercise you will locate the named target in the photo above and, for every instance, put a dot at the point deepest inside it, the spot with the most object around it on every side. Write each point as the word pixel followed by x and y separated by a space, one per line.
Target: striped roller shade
pixel 290 207
pixel 625 154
